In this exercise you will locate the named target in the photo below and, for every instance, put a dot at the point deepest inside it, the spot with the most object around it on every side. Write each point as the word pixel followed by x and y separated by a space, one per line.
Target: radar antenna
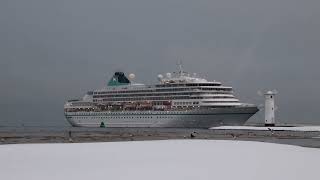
pixel 180 67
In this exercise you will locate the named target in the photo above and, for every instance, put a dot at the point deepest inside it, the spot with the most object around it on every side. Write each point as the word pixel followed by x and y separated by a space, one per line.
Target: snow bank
pixel 162 160
pixel 295 128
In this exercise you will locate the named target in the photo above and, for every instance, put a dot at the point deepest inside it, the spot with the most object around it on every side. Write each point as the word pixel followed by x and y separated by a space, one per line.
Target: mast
pixel 180 67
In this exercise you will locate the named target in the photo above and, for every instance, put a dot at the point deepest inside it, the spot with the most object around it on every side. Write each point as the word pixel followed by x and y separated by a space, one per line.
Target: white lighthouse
pixel 269 108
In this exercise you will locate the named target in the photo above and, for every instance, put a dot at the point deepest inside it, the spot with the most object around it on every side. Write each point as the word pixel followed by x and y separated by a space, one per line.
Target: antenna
pixel 179 64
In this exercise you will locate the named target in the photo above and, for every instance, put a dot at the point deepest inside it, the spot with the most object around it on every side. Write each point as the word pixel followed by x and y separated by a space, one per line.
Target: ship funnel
pixel 118 79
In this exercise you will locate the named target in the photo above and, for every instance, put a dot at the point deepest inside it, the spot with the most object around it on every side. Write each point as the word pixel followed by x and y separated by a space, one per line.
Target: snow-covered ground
pixel 163 160
pixel 295 128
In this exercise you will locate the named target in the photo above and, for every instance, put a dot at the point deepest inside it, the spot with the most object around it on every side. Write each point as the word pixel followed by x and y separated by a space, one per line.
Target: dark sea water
pixel 61 123
pixel 47 134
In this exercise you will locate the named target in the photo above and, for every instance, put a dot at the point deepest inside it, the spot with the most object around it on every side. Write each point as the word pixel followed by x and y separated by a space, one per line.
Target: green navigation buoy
pixel 102 125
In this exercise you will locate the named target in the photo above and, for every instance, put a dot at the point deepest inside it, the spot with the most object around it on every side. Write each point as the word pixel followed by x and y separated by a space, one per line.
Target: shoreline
pixel 81 135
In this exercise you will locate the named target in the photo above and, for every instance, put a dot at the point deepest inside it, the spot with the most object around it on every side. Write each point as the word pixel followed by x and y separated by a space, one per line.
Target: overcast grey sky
pixel 51 51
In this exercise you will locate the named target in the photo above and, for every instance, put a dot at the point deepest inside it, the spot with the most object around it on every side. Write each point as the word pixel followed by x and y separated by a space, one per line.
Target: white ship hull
pixel 178 119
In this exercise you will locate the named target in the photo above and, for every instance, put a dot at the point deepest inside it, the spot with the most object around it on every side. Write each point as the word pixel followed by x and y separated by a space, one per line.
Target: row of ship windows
pixel 151 98
pixel 185 103
pixel 153 94
pixel 124 100
pixel 147 98
pixel 189 84
pixel 164 98
pixel 164 94
pixel 193 89
pixel 166 112
pixel 131 117
pixel 163 90
pixel 221 101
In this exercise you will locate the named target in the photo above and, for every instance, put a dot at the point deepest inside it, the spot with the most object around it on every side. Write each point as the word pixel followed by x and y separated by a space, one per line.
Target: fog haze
pixel 52 51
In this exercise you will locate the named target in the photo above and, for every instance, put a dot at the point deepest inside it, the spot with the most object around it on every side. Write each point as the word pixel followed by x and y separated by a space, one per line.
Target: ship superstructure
pixel 178 100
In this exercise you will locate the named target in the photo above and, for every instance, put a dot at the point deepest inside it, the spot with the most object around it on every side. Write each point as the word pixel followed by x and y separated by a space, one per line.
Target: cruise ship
pixel 179 100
